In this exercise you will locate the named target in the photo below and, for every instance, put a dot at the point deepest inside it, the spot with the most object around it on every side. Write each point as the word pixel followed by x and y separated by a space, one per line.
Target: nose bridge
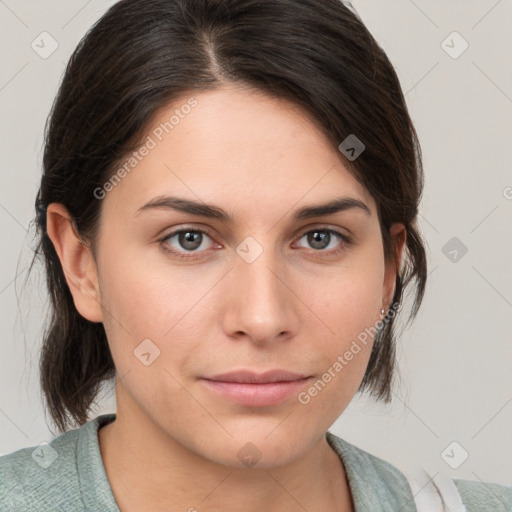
pixel 262 305
pixel 257 271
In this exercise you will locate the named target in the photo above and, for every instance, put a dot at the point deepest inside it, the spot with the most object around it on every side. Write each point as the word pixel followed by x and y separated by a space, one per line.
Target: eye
pixel 183 241
pixel 322 239
pixel 188 243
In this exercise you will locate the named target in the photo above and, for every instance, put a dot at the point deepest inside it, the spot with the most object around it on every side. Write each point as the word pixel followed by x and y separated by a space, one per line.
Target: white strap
pixel 436 493
pixel 449 493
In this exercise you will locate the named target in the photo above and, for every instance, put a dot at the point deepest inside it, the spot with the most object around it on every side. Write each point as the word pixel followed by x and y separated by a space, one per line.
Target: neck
pixel 147 470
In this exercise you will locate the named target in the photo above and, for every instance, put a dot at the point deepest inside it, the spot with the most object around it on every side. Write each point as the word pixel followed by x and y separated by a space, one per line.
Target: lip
pixel 251 377
pixel 253 389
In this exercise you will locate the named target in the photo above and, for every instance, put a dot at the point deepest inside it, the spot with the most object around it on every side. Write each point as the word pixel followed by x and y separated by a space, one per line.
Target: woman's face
pixel 258 291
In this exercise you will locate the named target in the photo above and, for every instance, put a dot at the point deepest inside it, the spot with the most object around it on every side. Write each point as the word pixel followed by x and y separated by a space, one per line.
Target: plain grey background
pixel 455 394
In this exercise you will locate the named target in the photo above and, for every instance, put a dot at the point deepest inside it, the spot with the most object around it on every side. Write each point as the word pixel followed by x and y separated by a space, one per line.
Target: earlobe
pixel 77 262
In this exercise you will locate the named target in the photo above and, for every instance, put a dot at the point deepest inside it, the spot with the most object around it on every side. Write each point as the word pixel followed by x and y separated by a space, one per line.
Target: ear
pixel 76 260
pixel 399 236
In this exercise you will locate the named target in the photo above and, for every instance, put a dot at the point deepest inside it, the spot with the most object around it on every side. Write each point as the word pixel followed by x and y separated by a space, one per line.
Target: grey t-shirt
pixel 68 475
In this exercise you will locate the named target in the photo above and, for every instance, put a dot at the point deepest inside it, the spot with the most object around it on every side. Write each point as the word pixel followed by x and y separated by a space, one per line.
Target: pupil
pixel 318 237
pixel 188 238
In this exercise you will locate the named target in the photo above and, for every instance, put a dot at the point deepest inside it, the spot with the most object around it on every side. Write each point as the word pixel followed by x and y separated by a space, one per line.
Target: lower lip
pixel 256 395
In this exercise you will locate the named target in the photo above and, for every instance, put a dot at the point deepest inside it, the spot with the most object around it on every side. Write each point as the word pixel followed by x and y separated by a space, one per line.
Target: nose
pixel 260 304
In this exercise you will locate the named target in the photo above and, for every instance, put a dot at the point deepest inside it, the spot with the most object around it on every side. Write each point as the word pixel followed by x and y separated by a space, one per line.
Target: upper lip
pixel 247 376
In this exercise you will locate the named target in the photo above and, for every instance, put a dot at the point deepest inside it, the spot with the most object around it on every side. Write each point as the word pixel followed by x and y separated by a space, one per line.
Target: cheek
pixel 342 355
pixel 350 301
pixel 349 308
pixel 140 289
pixel 156 301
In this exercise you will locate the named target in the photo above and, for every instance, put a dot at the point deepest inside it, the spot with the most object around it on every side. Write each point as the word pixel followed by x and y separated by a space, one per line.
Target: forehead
pixel 237 147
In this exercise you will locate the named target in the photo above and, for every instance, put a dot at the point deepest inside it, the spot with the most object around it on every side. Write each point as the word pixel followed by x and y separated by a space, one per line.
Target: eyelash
pixel 345 241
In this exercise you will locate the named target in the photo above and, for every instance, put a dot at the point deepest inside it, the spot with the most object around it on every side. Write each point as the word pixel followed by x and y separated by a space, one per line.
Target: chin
pixel 259 451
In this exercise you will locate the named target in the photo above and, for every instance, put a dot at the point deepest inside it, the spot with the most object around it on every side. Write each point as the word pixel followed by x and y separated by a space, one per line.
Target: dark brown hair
pixel 139 57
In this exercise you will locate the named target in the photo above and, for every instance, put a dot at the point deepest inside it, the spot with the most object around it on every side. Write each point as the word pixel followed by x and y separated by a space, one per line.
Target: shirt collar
pixel 94 484
pixel 374 484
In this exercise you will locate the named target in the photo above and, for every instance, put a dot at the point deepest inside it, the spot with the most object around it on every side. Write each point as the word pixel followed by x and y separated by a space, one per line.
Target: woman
pixel 228 220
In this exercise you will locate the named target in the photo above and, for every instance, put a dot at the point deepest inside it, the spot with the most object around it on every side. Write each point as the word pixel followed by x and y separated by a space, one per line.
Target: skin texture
pixel 296 307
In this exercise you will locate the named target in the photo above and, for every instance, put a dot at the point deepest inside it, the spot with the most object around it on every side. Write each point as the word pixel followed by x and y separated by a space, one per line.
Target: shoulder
pixel 375 484
pixel 372 478
pixel 481 496
pixel 42 477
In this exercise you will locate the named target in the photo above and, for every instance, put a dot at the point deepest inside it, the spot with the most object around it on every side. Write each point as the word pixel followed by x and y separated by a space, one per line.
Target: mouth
pixel 256 389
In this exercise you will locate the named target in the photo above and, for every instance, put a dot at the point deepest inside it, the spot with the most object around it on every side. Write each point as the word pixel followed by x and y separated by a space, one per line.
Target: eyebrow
pixel 340 204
